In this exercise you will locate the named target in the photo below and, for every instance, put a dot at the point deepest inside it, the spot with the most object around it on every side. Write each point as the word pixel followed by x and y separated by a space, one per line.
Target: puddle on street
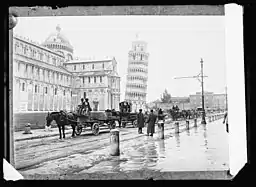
pixel 191 150
pixel 200 148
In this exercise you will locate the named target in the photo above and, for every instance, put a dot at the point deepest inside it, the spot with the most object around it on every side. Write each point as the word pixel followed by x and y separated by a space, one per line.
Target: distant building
pixel 211 100
pixel 219 101
pixel 181 102
pixel 97 80
pixel 136 86
pixel 47 78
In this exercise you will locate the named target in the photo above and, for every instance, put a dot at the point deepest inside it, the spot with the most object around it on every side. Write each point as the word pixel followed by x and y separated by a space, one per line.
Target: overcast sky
pixel 175 44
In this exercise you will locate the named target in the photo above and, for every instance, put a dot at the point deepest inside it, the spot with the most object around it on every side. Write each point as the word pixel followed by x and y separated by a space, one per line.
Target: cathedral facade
pixel 137 76
pixel 47 78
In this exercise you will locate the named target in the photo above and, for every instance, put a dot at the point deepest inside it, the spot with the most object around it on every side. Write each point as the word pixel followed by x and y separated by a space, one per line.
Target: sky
pixel 176 45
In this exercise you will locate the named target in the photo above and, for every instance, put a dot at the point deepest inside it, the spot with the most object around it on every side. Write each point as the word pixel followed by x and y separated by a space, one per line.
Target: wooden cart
pixel 94 120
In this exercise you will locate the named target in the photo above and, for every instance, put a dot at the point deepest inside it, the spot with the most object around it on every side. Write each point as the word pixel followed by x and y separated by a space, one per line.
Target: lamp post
pixel 200 78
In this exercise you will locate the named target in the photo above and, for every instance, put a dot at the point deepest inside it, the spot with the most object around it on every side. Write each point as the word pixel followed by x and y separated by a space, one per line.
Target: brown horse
pixel 62 118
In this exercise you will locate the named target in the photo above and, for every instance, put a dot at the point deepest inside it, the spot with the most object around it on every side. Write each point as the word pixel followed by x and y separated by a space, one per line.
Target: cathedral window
pixel 100 78
pixel 92 66
pixel 40 56
pixel 89 79
pixel 83 66
pixel 18 66
pixel 16 46
pixel 54 61
pixel 103 65
pixel 74 67
pixel 64 92
pixel 83 79
pixel 23 87
pixel 26 69
pixel 94 79
pixel 55 91
pixel 45 90
pixel 47 58
pixel 36 89
pixel 133 56
pixel 25 50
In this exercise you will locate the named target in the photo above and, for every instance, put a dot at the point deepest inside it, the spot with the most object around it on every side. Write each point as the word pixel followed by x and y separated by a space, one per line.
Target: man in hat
pixel 226 120
pixel 87 104
pixel 151 123
pixel 81 106
pixel 140 121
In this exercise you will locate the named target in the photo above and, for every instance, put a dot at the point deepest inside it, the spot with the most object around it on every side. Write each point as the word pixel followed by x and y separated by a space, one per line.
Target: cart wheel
pixel 135 124
pixel 78 129
pixel 123 124
pixel 95 129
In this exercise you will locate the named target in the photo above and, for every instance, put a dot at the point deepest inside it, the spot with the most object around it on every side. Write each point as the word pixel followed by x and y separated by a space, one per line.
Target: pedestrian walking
pixel 140 121
pixel 226 120
pixel 160 117
pixel 151 123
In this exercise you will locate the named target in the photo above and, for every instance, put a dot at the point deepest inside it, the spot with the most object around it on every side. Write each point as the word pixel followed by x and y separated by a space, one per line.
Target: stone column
pixel 43 97
pixel 53 98
pixel 33 95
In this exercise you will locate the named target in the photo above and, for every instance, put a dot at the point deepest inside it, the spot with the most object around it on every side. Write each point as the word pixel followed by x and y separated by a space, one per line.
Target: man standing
pixel 161 117
pixel 226 119
pixel 86 107
pixel 140 121
pixel 151 123
pixel 82 106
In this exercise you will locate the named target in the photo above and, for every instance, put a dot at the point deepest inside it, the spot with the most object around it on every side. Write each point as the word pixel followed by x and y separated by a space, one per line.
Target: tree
pixel 166 97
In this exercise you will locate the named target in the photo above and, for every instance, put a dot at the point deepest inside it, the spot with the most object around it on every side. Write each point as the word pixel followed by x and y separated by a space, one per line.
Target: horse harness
pixel 64 116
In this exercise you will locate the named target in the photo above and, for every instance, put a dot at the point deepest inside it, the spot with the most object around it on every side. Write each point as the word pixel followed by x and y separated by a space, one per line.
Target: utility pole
pixel 200 78
pixel 202 82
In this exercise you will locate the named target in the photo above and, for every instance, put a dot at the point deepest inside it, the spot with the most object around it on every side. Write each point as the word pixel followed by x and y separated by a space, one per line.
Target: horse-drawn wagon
pixel 126 116
pixel 95 120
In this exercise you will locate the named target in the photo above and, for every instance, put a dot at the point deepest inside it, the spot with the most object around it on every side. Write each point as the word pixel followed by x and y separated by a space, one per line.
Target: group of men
pixel 85 106
pixel 151 120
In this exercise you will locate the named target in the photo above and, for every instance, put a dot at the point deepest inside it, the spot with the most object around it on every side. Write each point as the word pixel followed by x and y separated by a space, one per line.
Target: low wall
pixel 37 120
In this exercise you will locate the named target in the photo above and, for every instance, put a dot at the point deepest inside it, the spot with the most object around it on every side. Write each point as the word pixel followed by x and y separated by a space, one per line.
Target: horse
pixel 174 114
pixel 62 118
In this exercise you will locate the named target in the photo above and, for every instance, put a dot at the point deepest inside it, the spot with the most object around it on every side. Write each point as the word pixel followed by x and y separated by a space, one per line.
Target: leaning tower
pixel 137 76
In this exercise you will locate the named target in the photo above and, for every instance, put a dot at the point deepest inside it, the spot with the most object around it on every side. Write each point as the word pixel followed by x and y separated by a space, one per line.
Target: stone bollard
pixel 177 130
pixel 47 128
pixel 27 129
pixel 187 125
pixel 195 122
pixel 114 142
pixel 161 130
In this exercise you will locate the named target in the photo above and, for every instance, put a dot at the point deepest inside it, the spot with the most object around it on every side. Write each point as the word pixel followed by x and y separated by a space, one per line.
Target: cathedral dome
pixel 58 37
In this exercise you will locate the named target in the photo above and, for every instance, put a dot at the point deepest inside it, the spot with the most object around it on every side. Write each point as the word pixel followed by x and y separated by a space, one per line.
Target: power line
pixel 200 78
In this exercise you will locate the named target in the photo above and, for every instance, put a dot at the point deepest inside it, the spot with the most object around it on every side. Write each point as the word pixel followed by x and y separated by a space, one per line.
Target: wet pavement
pixel 202 148
pixel 199 149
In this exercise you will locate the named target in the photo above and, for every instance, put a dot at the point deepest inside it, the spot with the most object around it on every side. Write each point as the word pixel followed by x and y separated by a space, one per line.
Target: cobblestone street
pixel 202 148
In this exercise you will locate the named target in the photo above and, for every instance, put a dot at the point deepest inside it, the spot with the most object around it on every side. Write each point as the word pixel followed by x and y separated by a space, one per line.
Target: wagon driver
pixel 87 105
